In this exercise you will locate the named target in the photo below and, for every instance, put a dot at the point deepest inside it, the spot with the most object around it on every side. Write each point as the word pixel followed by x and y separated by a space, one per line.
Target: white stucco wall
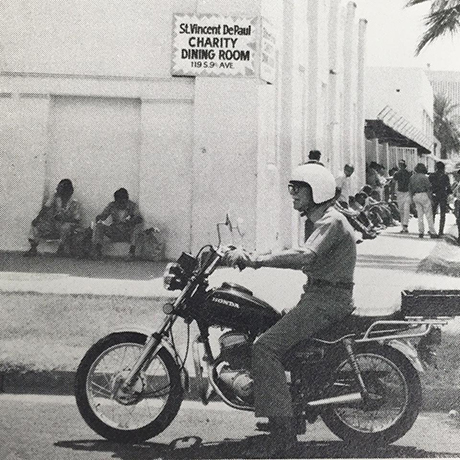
pixel 190 148
pixel 405 90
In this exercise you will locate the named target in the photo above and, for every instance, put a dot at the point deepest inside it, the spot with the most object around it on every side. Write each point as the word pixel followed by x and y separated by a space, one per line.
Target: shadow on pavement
pixel 113 268
pixel 387 262
pixel 250 447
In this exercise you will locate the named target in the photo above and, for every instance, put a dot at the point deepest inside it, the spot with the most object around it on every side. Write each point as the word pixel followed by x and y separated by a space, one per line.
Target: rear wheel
pixel 127 416
pixel 395 389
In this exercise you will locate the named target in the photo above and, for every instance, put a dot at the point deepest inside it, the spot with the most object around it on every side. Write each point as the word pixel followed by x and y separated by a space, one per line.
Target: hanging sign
pixel 267 53
pixel 214 45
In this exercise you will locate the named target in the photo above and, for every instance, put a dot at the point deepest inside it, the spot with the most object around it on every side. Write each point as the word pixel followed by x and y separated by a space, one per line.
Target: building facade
pixel 90 91
pixel 399 116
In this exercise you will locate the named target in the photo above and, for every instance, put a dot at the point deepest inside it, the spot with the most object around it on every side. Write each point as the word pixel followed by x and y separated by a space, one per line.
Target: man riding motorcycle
pixel 328 257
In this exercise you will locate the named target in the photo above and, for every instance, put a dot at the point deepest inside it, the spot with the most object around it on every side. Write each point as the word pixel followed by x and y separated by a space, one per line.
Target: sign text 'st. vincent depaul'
pixel 213 45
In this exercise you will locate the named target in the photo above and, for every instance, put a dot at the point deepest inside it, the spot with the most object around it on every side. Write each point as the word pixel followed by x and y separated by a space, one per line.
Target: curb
pixel 434 399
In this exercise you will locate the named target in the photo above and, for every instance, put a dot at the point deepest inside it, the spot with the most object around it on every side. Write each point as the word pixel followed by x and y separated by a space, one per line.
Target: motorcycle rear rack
pixel 423 327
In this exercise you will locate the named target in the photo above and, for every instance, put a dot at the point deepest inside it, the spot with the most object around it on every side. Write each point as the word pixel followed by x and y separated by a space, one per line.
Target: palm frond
pixel 443 18
pixel 415 2
pixel 445 126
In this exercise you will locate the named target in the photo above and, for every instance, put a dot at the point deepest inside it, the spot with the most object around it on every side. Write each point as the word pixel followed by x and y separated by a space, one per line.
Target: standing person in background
pixel 58 217
pixel 440 186
pixel 420 192
pixel 371 175
pixel 314 156
pixel 343 184
pixel 401 180
pixel 456 193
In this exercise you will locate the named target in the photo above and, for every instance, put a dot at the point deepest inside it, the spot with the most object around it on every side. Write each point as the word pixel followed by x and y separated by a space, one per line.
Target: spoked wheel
pixel 394 402
pixel 133 415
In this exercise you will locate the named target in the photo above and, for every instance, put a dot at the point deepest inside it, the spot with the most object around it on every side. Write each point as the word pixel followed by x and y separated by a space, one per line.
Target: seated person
pixel 383 206
pixel 370 212
pixel 357 219
pixel 58 217
pixel 126 223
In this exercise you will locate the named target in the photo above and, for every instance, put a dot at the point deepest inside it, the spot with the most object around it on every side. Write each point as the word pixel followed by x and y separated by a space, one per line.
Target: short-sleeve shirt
pixel 333 241
pixel 343 183
pixel 118 215
pixel 70 212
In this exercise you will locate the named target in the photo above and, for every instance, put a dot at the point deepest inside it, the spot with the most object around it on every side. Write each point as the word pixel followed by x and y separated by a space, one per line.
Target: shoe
pixel 32 252
pixel 434 235
pixel 404 230
pixel 282 438
pixel 421 235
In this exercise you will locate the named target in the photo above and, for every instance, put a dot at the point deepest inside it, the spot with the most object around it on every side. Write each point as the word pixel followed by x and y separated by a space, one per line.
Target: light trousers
pixel 403 200
pixel 424 208
pixel 318 308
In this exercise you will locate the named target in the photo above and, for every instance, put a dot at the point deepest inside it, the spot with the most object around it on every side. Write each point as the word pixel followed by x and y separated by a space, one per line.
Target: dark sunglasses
pixel 294 189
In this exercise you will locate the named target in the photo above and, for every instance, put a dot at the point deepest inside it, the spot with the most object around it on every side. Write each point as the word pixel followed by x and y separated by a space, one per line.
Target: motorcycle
pixel 361 377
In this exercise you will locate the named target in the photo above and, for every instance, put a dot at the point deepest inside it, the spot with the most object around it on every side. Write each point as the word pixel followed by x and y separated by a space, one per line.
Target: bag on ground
pixel 80 242
pixel 149 245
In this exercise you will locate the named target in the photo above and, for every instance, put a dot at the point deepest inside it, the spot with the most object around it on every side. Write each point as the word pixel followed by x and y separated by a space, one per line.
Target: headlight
pixel 174 277
pixel 177 273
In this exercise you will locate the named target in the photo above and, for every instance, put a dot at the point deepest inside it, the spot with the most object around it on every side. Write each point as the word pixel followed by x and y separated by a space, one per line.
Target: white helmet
pixel 320 180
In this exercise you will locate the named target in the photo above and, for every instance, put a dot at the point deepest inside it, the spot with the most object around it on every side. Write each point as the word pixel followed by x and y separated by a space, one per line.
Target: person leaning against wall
pixel 126 225
pixel 420 192
pixel 58 217
pixel 343 184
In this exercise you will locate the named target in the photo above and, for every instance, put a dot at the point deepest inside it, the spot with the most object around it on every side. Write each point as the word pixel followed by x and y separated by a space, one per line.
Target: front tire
pixel 388 374
pixel 132 417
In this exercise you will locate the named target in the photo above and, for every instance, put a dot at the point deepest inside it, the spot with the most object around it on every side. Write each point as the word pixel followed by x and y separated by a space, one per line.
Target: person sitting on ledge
pixel 58 217
pixel 126 224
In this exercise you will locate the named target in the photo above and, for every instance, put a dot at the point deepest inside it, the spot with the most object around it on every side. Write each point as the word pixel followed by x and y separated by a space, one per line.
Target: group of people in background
pixel 60 219
pixel 386 200
pixel 382 202
pixel 414 193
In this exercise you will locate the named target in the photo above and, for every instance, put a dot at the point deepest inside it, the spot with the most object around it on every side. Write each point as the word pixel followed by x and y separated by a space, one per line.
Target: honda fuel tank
pixel 233 306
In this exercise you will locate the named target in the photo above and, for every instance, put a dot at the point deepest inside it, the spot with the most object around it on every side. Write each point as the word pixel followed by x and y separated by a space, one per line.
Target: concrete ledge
pixel 62 383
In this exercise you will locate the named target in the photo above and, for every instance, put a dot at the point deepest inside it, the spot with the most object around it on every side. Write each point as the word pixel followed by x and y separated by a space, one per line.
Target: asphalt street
pixel 50 428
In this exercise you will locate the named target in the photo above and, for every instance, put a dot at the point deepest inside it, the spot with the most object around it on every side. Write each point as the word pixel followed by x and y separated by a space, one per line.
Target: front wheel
pixel 395 387
pixel 127 416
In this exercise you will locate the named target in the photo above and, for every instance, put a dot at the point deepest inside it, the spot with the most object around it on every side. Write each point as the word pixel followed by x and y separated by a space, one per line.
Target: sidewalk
pixel 386 266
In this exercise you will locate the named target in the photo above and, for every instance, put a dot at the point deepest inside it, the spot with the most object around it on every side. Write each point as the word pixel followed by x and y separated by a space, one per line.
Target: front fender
pixel 409 351
pixel 165 342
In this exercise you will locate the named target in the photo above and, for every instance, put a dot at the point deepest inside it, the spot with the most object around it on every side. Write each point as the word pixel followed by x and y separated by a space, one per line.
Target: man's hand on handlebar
pixel 240 258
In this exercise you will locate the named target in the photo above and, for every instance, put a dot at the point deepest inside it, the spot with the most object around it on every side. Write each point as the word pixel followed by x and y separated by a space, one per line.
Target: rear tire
pixel 94 393
pixel 390 375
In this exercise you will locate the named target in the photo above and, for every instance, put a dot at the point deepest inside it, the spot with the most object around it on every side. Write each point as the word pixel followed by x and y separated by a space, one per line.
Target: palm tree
pixel 444 17
pixel 446 130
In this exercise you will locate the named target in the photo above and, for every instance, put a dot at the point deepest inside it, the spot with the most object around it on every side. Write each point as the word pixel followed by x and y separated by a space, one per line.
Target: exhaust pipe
pixel 337 400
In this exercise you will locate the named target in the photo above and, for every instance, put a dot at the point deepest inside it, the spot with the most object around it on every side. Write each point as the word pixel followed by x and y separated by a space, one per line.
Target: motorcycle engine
pixel 234 372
